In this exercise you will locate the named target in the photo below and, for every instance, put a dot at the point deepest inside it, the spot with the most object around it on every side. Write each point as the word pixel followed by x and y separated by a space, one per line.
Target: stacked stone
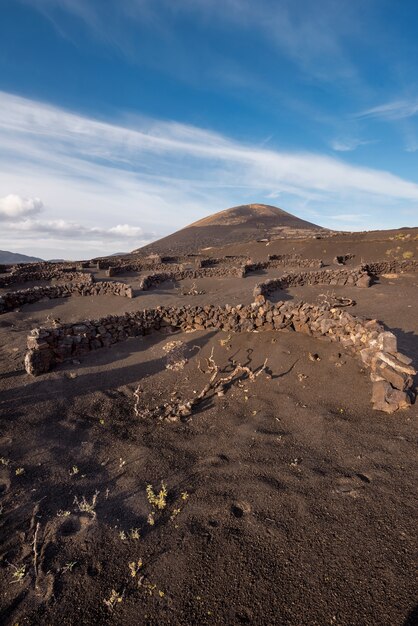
pixel 45 273
pixel 226 260
pixel 15 299
pixel 356 276
pixel 391 371
pixel 392 266
pixel 277 260
pixel 343 258
pixel 152 280
pixel 274 263
pixel 141 267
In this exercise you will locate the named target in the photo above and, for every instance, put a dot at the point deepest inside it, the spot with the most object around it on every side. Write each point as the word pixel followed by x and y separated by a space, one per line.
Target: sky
pixel 124 120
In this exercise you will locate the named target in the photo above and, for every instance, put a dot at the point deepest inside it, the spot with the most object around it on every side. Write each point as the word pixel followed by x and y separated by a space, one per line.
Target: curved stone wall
pixel 391 372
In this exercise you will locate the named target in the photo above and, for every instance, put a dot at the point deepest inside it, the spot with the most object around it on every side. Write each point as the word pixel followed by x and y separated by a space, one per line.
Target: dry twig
pixel 215 385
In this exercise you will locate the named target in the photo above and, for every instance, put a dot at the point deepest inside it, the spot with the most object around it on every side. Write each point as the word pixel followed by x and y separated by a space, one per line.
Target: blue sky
pixel 122 121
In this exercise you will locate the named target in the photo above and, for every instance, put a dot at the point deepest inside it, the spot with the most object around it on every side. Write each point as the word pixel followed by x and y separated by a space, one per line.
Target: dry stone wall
pixel 15 299
pixel 392 266
pixel 391 372
pixel 27 273
pixel 357 276
pixel 152 280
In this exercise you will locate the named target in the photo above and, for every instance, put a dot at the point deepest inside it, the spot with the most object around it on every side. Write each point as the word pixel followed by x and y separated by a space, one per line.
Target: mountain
pixel 8 258
pixel 239 224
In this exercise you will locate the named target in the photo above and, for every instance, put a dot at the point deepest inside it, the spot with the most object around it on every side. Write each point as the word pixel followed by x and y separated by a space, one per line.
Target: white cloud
pixel 348 217
pixel 163 175
pixel 124 230
pixel 348 144
pixel 13 206
pixel 63 229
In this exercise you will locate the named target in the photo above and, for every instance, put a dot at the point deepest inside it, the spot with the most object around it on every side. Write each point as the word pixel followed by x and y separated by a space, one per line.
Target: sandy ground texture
pixel 285 501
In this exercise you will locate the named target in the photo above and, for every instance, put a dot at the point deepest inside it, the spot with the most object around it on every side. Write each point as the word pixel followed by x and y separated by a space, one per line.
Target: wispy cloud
pixel 395 110
pixel 348 144
pixel 312 37
pixel 157 176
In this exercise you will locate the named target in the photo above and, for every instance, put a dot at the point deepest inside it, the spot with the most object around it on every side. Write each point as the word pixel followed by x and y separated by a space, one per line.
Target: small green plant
pixel 62 513
pixel 114 599
pixel 122 535
pixel 74 470
pixel 18 574
pixel 134 567
pixel 19 471
pixel 184 495
pixel 151 518
pixel 4 461
pixel 157 500
pixel 408 254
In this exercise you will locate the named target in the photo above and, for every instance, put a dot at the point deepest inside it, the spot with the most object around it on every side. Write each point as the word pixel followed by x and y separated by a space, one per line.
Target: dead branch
pixel 215 386
pixel 35 552
pixel 193 291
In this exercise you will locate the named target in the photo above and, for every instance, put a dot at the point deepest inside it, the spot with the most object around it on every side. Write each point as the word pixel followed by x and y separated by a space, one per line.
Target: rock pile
pixel 15 299
pixel 391 373
pixel 390 370
pixel 343 258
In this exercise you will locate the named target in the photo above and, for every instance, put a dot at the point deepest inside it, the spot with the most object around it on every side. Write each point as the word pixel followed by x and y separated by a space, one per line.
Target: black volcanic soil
pixel 290 501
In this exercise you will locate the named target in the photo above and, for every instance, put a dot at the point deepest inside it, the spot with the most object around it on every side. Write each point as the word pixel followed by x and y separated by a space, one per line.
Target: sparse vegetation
pixel 68 567
pixel 114 599
pixel 18 574
pixel 134 567
pixel 157 500
pixel 87 507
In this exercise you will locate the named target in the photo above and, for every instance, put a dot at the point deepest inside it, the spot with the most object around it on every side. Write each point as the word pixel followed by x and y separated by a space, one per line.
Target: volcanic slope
pixel 239 224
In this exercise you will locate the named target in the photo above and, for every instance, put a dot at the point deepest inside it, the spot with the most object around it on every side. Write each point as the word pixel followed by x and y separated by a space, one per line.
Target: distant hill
pixel 7 258
pixel 239 224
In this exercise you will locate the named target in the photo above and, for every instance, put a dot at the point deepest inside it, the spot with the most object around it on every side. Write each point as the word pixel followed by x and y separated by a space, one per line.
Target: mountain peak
pixel 238 224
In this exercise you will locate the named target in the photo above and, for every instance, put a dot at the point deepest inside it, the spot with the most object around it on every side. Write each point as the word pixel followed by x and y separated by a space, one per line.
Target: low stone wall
pixel 236 260
pixel 392 266
pixel 277 262
pixel 15 299
pixel 152 280
pixel 357 276
pixel 391 372
pixel 160 268
pixel 28 274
